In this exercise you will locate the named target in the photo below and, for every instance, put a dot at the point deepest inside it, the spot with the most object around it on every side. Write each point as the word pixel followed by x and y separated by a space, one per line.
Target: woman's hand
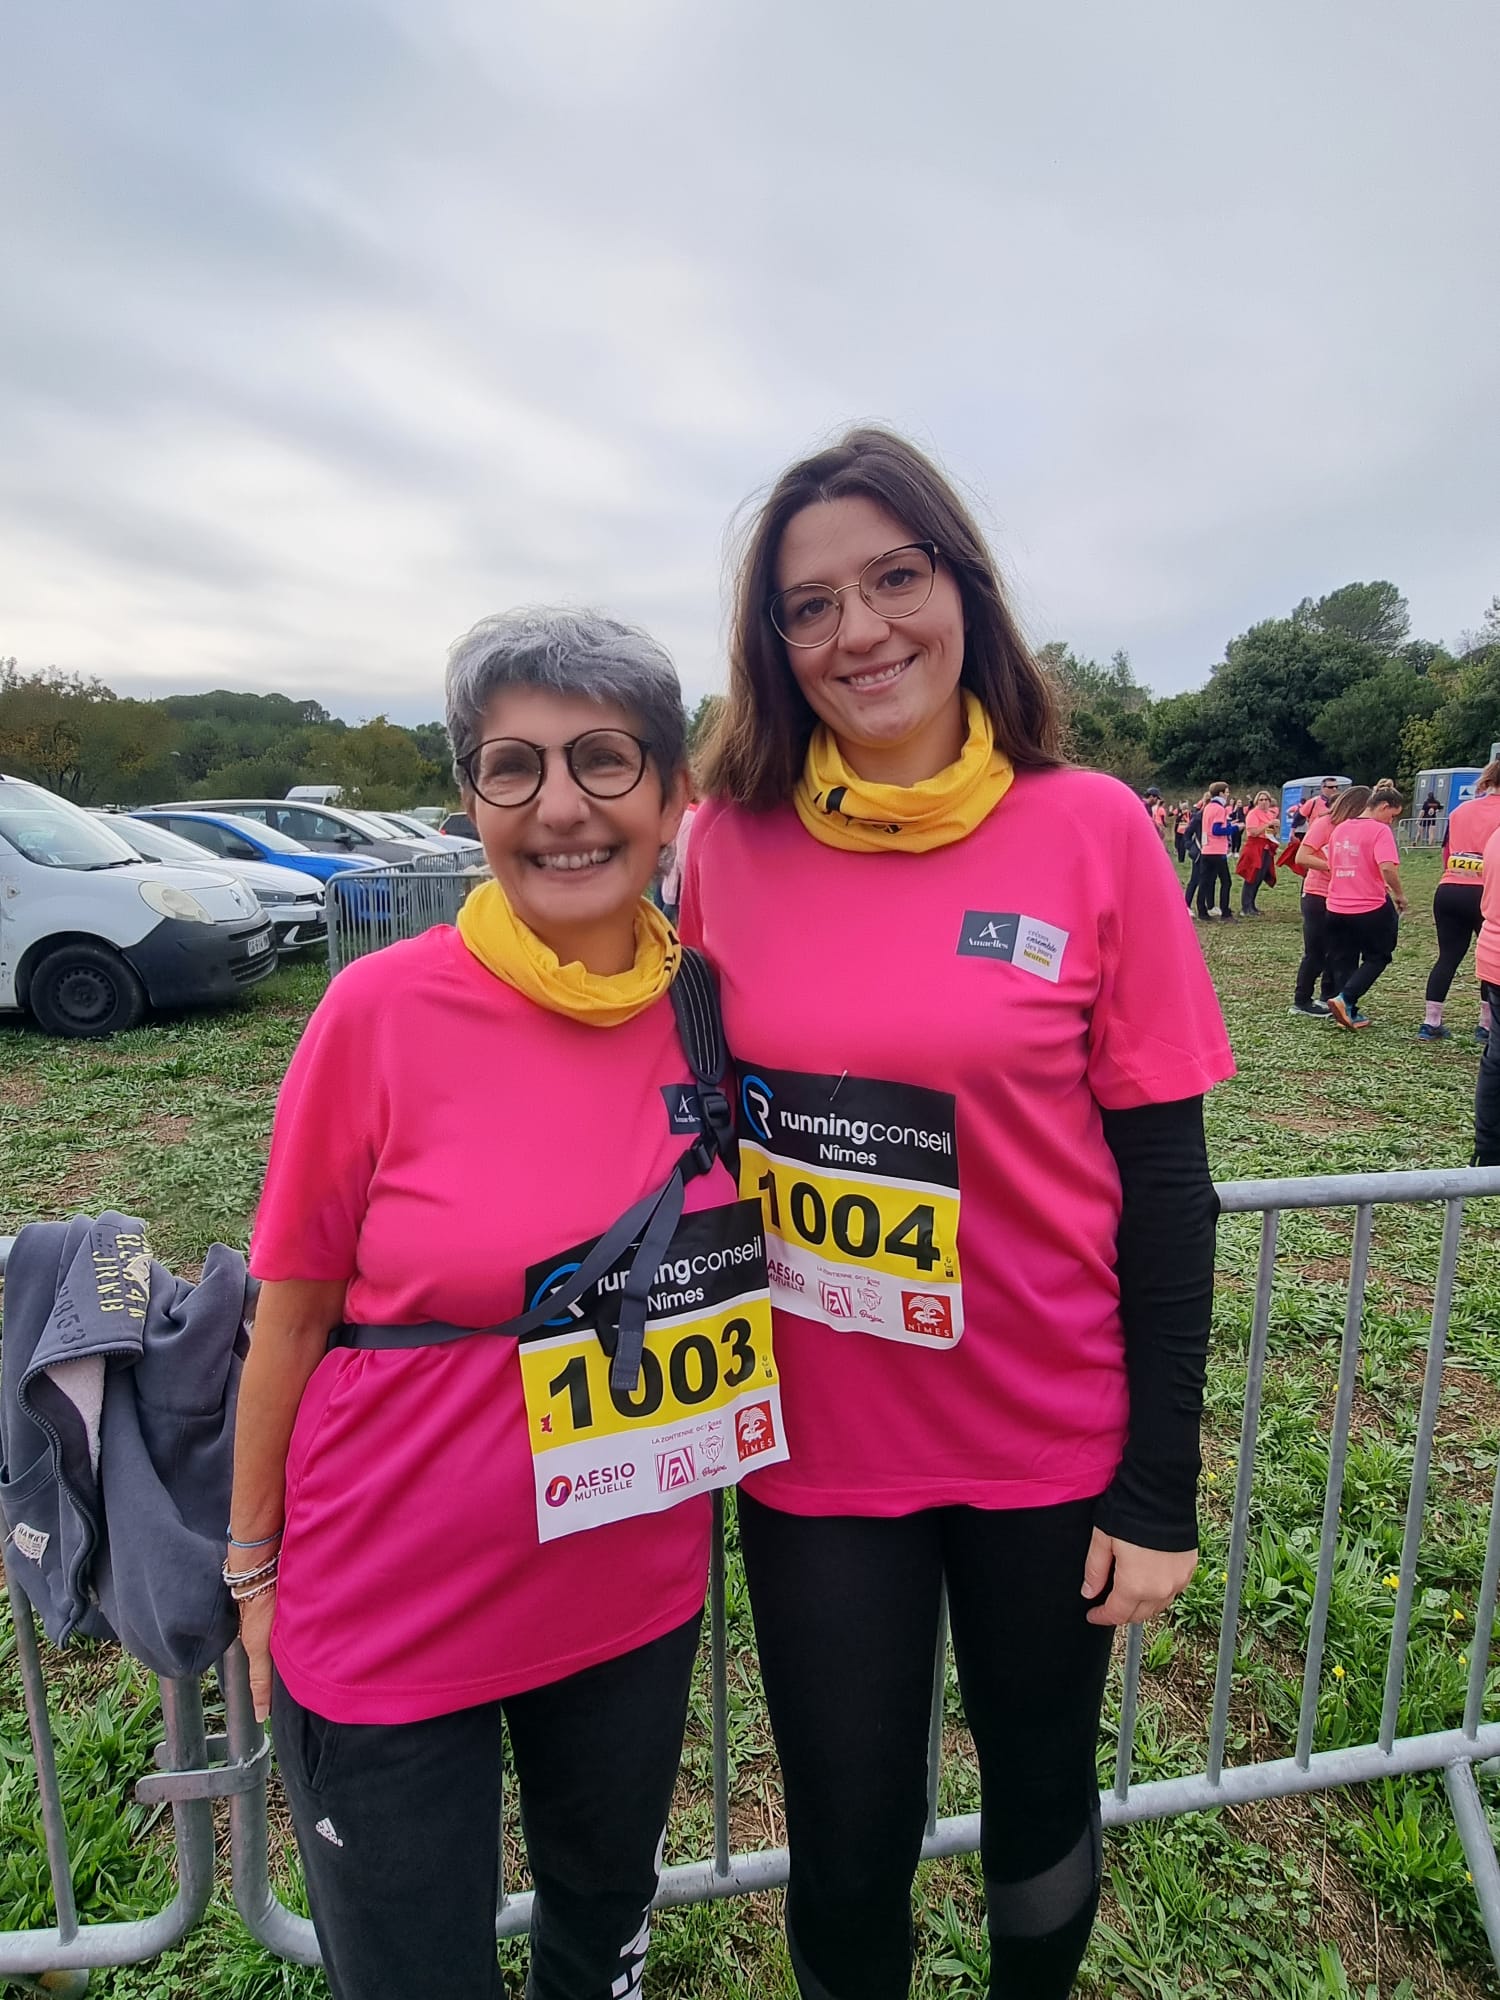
pixel 1145 1580
pixel 256 1617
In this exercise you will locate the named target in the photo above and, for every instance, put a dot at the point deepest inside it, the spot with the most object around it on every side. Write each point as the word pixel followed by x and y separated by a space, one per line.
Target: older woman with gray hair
pixel 431 1531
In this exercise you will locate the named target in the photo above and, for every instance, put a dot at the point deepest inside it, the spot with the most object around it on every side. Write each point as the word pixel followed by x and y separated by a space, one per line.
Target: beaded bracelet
pixel 258 1590
pixel 264 1542
pixel 237 1576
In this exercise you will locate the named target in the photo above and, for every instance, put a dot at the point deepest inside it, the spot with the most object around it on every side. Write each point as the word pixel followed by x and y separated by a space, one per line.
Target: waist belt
pixel 643 1233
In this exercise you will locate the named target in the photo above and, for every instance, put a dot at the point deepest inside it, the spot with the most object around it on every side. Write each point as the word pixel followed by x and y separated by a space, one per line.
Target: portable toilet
pixel 1450 788
pixel 1295 790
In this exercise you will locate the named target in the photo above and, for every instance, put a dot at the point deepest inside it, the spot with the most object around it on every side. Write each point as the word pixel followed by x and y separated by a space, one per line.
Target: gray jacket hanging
pixel 117 1396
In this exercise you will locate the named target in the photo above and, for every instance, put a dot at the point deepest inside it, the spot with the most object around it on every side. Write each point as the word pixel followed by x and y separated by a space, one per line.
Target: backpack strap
pixel 644 1232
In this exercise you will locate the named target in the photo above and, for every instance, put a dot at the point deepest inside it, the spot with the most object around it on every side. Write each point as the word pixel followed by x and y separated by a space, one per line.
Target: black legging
pixel 1361 944
pixel 1314 951
pixel 1487 1091
pixel 1215 875
pixel 1456 913
pixel 846 1619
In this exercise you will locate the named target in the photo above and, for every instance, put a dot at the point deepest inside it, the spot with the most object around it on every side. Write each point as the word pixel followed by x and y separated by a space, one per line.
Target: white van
pixel 317 795
pixel 90 934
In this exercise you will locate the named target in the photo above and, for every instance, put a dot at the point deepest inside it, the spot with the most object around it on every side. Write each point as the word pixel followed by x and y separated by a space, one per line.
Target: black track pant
pixel 1487 1090
pixel 1456 913
pixel 846 1618
pixel 1360 947
pixel 399 1828
pixel 1215 875
pixel 1314 951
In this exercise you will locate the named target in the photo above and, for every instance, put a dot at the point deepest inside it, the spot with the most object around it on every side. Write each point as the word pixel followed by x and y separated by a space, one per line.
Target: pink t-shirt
pixel 1357 851
pixel 1469 828
pixel 1027 975
pixel 1487 945
pixel 1259 820
pixel 1214 838
pixel 1315 841
pixel 435 1136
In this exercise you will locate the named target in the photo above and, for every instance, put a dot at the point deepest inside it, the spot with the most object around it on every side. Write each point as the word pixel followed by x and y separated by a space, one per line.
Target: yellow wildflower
pixel 1338 1673
pixel 1392 1582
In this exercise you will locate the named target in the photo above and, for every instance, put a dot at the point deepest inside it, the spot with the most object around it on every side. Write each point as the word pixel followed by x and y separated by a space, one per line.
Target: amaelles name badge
pixel 859 1180
pixel 1024 942
pixel 707 1406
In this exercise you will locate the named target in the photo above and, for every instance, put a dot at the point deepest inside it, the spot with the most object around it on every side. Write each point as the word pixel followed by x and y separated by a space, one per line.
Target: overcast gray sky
pixel 330 325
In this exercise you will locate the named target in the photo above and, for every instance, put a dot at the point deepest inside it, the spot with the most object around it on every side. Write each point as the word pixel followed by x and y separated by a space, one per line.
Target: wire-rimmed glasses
pixel 893 585
pixel 605 763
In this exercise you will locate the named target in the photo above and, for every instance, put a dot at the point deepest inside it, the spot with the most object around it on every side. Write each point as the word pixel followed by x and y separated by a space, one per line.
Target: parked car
pixel 461 824
pixel 90 934
pixel 403 823
pixel 325 829
pixel 292 900
pixel 432 816
pixel 236 839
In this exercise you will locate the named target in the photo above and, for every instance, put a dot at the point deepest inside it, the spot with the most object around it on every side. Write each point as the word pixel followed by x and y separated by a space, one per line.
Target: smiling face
pixel 573 867
pixel 886 687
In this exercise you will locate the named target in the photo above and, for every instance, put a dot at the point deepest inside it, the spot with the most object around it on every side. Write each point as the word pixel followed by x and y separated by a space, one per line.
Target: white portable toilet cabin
pixel 1449 787
pixel 1295 790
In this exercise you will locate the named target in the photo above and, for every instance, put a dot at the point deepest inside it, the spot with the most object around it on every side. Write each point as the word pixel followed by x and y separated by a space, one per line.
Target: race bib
pixel 707 1405
pixel 1466 864
pixel 859 1185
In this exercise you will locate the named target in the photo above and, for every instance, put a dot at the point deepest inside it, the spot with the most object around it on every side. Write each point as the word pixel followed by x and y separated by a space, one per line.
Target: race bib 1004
pixel 707 1406
pixel 859 1184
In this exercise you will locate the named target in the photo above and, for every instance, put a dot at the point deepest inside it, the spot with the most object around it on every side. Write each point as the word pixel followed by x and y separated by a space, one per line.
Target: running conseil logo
pixel 756 1099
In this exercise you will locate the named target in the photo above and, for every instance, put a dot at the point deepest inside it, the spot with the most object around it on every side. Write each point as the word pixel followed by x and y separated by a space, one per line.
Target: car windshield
pixel 155 843
pixel 53 834
pixel 387 829
pixel 265 836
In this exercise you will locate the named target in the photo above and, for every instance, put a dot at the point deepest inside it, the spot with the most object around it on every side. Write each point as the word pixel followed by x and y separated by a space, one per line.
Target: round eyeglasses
pixel 893 585
pixel 605 763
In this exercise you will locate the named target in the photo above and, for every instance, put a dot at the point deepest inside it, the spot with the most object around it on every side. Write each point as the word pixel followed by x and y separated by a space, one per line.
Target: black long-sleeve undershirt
pixel 1165 1264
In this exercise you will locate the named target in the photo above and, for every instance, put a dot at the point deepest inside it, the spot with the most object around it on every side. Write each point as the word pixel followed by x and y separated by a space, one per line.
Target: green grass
pixel 1317 1899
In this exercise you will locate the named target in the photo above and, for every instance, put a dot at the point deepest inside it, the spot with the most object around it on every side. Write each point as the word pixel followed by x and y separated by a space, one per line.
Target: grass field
pixel 1314 1899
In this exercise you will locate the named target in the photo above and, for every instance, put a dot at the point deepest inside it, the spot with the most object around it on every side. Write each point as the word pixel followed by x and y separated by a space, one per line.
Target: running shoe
pixel 1344 1014
pixel 1313 1011
pixel 1427 1033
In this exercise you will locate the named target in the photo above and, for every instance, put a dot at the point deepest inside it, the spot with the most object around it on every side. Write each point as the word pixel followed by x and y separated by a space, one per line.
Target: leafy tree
pixel 1361 730
pixel 378 764
pixel 1371 614
pixel 701 720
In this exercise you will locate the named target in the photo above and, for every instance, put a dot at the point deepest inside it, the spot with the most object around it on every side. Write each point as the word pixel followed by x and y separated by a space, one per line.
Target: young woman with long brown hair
pixel 977 1133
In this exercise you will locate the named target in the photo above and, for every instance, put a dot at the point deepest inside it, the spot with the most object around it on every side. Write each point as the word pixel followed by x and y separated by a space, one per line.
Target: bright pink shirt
pixel 436 1135
pixel 1036 971
pixel 1469 828
pixel 1214 838
pixel 1357 851
pixel 1315 841
pixel 1487 945
pixel 1259 820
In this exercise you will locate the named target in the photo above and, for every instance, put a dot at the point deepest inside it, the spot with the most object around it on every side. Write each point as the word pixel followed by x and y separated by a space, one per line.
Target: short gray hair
pixel 571 652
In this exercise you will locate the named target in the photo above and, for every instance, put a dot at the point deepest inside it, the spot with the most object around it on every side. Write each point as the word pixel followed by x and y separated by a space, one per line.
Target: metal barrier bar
pixel 370 908
pixel 1338 1452
pixel 1416 1505
pixel 1452 1751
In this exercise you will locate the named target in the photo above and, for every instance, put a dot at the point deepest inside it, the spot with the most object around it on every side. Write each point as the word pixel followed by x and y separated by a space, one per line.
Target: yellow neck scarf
pixel 501 942
pixel 843 810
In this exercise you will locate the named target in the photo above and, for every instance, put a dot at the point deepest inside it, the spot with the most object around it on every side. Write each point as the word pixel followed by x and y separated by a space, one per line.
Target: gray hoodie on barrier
pixel 117 1393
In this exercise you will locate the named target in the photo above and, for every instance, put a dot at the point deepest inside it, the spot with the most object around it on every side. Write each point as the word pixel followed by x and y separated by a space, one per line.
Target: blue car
pixel 237 839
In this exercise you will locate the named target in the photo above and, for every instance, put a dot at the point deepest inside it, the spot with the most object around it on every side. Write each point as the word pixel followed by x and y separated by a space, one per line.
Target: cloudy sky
pixel 327 326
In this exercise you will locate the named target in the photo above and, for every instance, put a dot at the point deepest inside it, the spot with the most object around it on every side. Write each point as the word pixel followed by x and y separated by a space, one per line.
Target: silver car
pixel 293 902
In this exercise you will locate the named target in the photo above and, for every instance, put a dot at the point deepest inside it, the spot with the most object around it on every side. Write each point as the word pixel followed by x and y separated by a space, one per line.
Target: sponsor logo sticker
pixel 754 1432
pixel 1027 943
pixel 836 1300
pixel 675 1469
pixel 929 1313
pixel 559 1491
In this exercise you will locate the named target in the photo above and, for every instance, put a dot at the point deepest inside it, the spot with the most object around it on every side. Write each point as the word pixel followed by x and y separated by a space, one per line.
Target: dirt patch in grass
pixel 1311 1123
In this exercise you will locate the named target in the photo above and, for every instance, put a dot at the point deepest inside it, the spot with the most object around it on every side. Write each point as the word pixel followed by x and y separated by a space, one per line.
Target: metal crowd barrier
pixel 1419 832
pixel 195 1769
pixel 372 907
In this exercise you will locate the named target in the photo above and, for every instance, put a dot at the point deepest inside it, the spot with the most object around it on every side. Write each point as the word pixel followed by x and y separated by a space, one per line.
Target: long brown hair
pixel 758 741
pixel 1349 803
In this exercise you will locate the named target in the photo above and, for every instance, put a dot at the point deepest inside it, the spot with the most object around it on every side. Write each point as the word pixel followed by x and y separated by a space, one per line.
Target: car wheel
pixel 84 991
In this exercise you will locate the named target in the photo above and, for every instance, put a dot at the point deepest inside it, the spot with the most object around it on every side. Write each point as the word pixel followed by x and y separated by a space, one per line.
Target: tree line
pixel 1338 683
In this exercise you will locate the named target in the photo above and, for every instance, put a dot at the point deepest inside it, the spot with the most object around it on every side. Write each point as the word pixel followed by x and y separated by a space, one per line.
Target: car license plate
pixel 257 944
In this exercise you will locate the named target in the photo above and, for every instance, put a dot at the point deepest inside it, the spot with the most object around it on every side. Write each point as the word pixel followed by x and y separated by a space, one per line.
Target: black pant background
pixel 1457 918
pixel 846 1620
pixel 1360 947
pixel 1487 1090
pixel 1215 875
pixel 399 1829
pixel 1314 951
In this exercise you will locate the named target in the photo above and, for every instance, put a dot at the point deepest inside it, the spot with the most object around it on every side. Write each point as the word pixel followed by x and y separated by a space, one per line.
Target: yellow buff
pixel 499 940
pixel 843 810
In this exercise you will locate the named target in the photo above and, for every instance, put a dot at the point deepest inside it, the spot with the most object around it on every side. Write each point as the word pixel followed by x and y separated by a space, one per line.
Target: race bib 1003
pixel 859 1185
pixel 707 1406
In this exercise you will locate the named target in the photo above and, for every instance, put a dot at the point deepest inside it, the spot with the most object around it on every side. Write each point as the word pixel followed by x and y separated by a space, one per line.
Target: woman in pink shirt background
pixel 1365 902
pixel 978 1135
pixel 1256 867
pixel 1487 964
pixel 1312 857
pixel 1456 901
